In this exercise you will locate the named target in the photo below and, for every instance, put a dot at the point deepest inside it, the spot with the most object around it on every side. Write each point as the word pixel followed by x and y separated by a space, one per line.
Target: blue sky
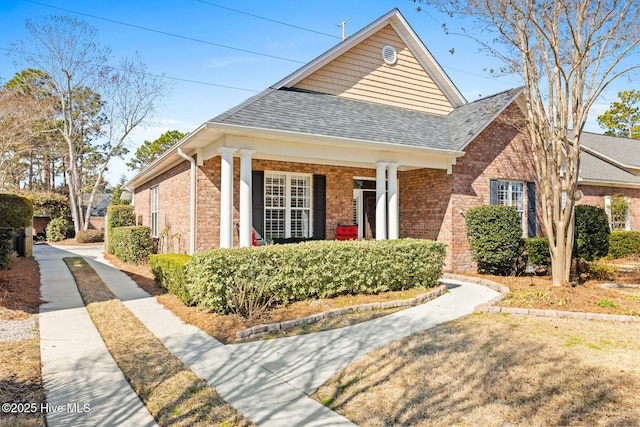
pixel 190 104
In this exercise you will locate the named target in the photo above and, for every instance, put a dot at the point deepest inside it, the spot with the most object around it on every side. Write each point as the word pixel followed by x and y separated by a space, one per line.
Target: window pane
pixel 274 223
pixel 300 223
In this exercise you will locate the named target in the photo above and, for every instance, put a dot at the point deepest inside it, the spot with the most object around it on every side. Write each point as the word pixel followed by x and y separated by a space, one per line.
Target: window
pixel 618 212
pixel 511 193
pixel 154 211
pixel 287 210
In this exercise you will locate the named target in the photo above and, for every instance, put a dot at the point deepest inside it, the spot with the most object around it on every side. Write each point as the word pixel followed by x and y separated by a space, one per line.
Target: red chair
pixel 347 232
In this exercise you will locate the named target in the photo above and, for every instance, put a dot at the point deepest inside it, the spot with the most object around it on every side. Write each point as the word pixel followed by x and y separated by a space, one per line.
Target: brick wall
pixel 500 152
pixel 594 195
pixel 173 205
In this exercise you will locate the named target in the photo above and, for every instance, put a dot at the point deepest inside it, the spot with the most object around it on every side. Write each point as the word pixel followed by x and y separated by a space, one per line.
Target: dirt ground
pixel 590 297
pixel 20 368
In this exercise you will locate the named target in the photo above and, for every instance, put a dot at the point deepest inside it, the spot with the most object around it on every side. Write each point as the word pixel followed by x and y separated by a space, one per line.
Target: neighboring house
pixel 610 166
pixel 100 203
pixel 372 132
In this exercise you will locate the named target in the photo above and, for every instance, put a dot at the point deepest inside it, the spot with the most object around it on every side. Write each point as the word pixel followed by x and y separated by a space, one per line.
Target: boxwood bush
pixel 6 247
pixel 538 251
pixel 90 236
pixel 169 273
pixel 17 211
pixel 495 238
pixel 315 269
pixel 131 244
pixel 591 233
pixel 119 216
pixel 624 243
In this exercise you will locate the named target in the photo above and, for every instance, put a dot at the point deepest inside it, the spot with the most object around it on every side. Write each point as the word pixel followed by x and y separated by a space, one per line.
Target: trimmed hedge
pixel 6 247
pixel 131 244
pixel 118 216
pixel 169 273
pixel 315 269
pixel 17 211
pixel 90 236
pixel 495 238
pixel 591 233
pixel 538 251
pixel 624 243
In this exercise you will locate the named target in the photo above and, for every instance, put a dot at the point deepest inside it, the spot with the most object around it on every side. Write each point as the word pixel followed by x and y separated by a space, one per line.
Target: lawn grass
pixel 172 393
pixel 495 370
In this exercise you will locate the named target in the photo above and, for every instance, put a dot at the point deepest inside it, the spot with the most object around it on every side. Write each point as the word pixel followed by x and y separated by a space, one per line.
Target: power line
pixel 163 76
pixel 166 33
pixel 268 19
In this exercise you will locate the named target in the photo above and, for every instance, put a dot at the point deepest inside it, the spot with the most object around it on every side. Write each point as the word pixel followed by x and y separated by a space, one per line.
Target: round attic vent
pixel 389 55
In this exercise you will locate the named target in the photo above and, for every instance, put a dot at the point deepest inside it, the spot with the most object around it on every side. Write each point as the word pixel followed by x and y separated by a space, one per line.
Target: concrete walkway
pixel 269 381
pixel 83 385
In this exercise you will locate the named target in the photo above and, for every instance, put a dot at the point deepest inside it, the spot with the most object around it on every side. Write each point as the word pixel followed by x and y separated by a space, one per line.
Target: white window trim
pixel 154 209
pixel 525 197
pixel 607 209
pixel 288 208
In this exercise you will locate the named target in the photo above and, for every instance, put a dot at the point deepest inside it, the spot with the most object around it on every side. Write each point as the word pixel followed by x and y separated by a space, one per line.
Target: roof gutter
pixel 192 219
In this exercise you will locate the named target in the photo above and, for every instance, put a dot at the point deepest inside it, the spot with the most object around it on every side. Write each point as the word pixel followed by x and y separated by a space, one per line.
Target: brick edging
pixel 260 331
pixel 489 307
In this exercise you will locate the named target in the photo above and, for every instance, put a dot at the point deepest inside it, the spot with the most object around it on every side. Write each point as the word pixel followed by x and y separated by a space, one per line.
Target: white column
pixel 381 201
pixel 392 195
pixel 226 197
pixel 246 223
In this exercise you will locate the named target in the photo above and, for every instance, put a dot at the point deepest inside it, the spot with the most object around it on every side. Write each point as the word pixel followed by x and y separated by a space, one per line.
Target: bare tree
pixel 130 98
pixel 95 100
pixel 567 52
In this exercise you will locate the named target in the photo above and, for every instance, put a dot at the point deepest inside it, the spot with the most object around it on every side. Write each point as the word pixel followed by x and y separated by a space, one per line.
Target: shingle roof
pixel 315 113
pixel 593 168
pixel 623 150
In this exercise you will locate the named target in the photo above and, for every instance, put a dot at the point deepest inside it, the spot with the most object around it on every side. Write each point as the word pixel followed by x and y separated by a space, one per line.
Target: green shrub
pixel 624 243
pixel 90 236
pixel 6 247
pixel 315 269
pixel 56 230
pixel 495 238
pixel 538 251
pixel 131 244
pixel 17 211
pixel 600 271
pixel 71 232
pixel 119 216
pixel 168 271
pixel 591 233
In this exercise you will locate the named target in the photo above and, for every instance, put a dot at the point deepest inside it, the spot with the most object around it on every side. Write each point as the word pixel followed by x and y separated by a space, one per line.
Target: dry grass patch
pixel 496 370
pixel 224 327
pixel 172 393
pixel 20 368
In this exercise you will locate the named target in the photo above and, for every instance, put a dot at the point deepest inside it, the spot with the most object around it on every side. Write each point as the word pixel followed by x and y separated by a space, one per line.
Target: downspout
pixel 192 229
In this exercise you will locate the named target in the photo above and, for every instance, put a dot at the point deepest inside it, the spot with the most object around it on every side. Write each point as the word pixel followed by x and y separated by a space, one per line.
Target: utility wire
pixel 163 76
pixel 165 33
pixel 269 19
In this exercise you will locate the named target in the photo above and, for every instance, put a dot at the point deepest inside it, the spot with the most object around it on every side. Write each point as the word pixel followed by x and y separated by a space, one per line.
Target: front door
pixel 364 213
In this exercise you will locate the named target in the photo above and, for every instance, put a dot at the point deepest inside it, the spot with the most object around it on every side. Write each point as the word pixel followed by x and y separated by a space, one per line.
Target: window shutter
pixel 493 191
pixel 319 207
pixel 257 200
pixel 531 209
